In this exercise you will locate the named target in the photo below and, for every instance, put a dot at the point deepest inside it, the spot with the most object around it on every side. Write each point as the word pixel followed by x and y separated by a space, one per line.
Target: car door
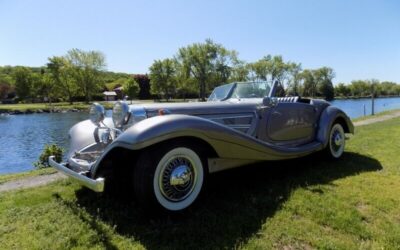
pixel 291 123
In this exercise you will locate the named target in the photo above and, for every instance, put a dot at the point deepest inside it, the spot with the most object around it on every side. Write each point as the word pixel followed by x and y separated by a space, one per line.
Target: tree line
pixel 203 66
pixel 77 76
pixel 194 71
pixel 364 88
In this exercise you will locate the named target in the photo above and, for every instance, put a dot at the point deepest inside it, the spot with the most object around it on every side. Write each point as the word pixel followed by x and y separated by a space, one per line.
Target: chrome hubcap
pixel 180 176
pixel 338 139
pixel 177 178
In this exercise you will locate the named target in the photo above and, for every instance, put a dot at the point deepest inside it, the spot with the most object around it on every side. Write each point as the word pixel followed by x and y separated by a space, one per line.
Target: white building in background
pixel 110 95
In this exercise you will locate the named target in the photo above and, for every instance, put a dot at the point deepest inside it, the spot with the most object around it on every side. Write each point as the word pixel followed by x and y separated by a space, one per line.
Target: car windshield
pixel 221 92
pixel 251 90
pixel 240 90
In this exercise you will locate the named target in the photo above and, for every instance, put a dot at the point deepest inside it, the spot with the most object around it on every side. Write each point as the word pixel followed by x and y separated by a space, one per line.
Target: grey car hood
pixel 202 108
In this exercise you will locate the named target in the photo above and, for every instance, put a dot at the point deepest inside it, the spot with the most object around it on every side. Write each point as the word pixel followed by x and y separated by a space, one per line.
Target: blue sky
pixel 358 39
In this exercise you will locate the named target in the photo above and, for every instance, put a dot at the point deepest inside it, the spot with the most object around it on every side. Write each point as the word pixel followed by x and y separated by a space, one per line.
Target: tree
pixel 360 88
pixel 61 73
pixel 342 90
pixel 5 86
pixel 38 88
pixel 144 85
pixel 224 64
pixel 44 87
pixel 387 88
pixel 259 70
pixel 309 84
pixel 87 67
pixel 120 82
pixel 274 69
pixel 23 82
pixel 279 71
pixel 163 77
pixel 240 71
pixel 208 63
pixel 294 83
pixel 186 86
pixel 131 88
pixel 4 89
pixel 323 79
pixel 373 85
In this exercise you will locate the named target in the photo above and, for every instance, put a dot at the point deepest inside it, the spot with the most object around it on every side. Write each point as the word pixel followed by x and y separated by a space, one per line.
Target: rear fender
pixel 328 117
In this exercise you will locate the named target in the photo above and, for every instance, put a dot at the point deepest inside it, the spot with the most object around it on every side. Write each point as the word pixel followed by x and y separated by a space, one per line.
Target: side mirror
pixel 270 101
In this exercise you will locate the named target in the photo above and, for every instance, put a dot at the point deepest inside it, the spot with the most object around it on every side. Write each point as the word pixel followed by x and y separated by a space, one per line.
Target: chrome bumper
pixel 95 185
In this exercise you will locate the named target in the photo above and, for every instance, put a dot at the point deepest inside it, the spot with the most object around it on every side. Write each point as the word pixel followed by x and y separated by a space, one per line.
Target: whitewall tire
pixel 169 177
pixel 337 141
pixel 178 179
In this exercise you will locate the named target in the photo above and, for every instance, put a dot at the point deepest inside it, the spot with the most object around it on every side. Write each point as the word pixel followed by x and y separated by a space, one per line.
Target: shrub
pixel 48 151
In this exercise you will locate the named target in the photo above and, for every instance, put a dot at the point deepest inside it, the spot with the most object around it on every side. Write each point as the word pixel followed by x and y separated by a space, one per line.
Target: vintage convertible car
pixel 164 151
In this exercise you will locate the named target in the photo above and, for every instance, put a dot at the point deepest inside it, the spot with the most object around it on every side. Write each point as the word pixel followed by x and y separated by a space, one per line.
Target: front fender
pixel 162 128
pixel 227 143
pixel 81 135
pixel 84 134
pixel 327 118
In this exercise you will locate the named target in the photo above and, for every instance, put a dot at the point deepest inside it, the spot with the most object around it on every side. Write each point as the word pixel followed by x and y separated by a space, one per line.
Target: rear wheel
pixel 336 144
pixel 170 177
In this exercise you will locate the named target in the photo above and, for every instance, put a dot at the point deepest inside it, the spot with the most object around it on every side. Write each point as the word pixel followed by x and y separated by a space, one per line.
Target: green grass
pixel 37 106
pixel 388 112
pixel 66 106
pixel 352 203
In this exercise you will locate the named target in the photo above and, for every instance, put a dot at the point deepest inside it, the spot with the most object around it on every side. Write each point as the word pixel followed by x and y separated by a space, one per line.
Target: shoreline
pixel 366 120
pixel 39 111
pixel 39 108
pixel 363 97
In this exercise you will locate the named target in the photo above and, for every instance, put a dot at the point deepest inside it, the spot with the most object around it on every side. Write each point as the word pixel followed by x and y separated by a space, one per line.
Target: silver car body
pixel 237 131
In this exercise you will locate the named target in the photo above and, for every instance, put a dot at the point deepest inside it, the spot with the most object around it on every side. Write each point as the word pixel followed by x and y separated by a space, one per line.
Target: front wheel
pixel 336 143
pixel 170 177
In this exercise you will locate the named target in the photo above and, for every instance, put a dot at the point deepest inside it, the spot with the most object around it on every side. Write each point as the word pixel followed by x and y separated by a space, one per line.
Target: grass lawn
pixel 383 113
pixel 66 105
pixel 352 203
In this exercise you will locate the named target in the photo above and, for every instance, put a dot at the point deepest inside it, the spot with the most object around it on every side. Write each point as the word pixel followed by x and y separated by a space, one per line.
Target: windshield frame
pixel 231 90
pixel 228 92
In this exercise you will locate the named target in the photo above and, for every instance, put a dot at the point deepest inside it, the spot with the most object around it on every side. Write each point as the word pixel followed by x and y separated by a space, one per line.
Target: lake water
pixel 355 107
pixel 22 137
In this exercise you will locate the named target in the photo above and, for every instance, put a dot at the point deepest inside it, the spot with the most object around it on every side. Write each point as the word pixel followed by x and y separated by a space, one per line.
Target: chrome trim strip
pixel 228 116
pixel 238 126
pixel 95 185
pixel 248 127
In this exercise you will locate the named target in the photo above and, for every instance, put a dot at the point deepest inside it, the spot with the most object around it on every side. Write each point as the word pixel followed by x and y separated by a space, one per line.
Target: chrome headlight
pixel 120 114
pixel 96 113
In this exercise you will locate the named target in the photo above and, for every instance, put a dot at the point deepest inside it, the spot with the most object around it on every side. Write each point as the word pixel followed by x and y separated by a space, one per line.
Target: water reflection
pixel 23 137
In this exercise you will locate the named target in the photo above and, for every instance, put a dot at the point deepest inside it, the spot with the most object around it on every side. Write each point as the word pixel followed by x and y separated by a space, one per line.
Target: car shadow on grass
pixel 233 208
